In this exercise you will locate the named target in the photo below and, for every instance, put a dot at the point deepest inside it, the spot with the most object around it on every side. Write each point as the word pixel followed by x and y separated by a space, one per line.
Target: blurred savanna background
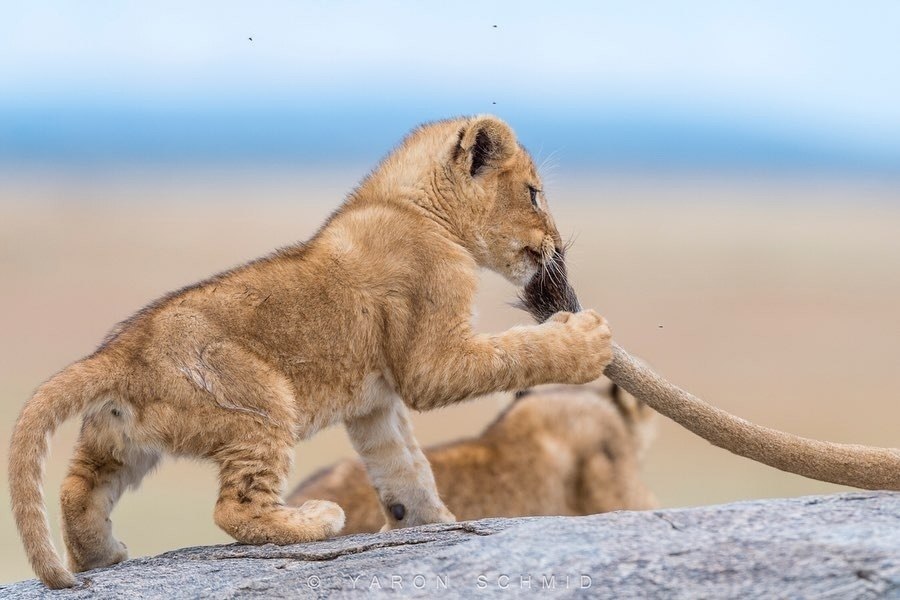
pixel 730 175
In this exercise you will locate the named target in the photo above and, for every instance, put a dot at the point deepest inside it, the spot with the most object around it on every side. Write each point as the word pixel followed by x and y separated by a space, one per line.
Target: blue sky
pixel 699 84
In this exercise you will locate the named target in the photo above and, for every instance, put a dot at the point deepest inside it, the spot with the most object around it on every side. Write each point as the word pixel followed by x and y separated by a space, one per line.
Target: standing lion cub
pixel 555 450
pixel 368 318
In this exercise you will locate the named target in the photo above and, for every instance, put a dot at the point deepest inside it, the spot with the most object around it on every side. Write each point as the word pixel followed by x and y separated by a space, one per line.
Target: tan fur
pixel 866 467
pixel 558 450
pixel 847 464
pixel 368 318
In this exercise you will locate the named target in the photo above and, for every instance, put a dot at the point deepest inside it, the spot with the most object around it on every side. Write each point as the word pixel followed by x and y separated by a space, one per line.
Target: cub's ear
pixel 485 143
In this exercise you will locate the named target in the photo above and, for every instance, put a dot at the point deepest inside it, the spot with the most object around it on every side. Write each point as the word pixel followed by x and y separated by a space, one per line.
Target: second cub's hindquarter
pixel 555 450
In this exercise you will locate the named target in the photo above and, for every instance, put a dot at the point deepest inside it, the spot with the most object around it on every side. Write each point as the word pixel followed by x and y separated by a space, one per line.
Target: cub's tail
pixel 845 464
pixel 62 397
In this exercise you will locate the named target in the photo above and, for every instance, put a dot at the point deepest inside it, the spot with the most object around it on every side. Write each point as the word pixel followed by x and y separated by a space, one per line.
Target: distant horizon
pixel 267 133
pixel 774 87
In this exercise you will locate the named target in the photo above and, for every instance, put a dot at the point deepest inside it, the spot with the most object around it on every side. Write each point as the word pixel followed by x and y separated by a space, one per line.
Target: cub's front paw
pixel 586 344
pixel 400 516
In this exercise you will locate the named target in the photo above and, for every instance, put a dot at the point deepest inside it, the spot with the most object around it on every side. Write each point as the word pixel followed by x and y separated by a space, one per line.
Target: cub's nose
pixel 555 240
pixel 550 246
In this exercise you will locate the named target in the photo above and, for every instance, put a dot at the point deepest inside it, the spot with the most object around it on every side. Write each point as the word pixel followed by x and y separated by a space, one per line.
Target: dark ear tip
pixel 615 392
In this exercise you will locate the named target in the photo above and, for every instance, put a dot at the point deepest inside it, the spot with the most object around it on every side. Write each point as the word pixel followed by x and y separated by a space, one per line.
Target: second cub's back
pixel 555 450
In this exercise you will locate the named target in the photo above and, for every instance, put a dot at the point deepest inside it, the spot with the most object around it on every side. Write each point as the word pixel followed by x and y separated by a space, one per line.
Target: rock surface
pixel 839 546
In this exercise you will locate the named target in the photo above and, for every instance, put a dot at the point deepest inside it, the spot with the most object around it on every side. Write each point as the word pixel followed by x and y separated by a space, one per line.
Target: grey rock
pixel 838 546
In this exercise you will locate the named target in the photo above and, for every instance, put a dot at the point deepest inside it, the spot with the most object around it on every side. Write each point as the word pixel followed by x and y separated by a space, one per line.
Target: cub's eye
pixel 534 192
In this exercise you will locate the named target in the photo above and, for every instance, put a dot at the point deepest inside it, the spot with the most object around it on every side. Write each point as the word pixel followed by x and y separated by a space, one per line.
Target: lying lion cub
pixel 555 450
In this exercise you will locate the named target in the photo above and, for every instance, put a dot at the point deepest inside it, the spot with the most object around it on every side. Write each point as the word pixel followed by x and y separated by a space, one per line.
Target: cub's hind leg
pixel 250 422
pixel 250 507
pixel 106 462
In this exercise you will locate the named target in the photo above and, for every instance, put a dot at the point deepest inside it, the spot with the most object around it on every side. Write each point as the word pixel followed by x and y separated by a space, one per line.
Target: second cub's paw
pixel 586 344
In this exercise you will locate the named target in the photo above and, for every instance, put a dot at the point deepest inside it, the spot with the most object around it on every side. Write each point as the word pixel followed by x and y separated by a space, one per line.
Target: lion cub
pixel 367 319
pixel 555 450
